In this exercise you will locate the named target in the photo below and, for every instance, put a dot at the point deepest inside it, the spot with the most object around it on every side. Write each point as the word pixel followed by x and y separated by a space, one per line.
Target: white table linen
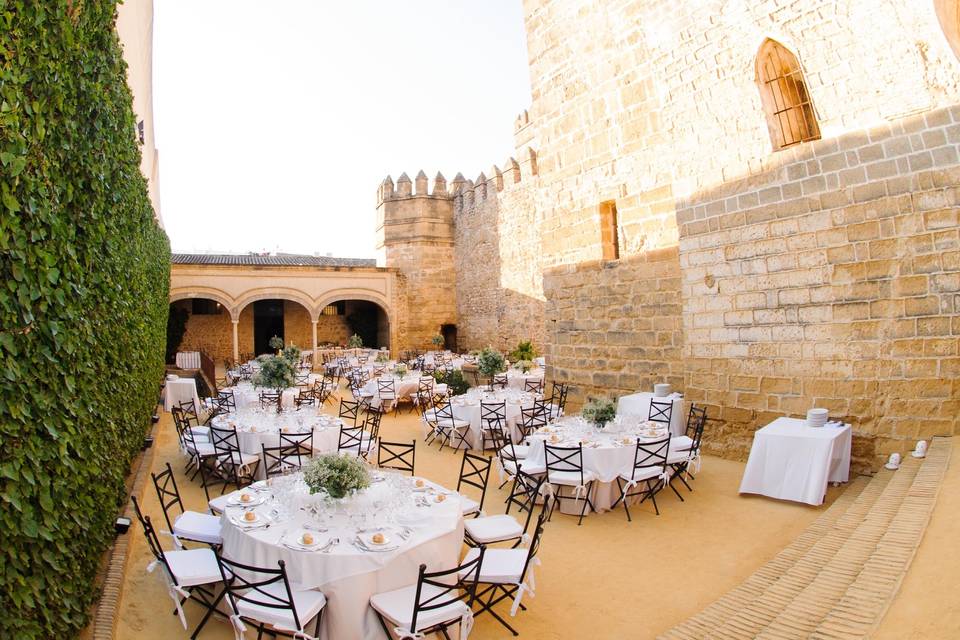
pixel 607 453
pixel 347 575
pixel 178 391
pixel 405 387
pixel 467 407
pixel 245 394
pixel 518 380
pixel 188 359
pixel 791 461
pixel 256 429
pixel 638 404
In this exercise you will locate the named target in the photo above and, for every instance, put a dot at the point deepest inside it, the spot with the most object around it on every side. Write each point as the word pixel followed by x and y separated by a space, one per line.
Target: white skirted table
pixel 638 404
pixel 467 407
pixel 791 461
pixel 188 359
pixel 344 563
pixel 178 391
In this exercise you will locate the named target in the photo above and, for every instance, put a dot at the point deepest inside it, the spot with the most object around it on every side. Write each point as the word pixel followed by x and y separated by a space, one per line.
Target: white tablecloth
pixel 256 429
pixel 467 407
pixel 347 576
pixel 180 390
pixel 518 379
pixel 638 404
pixel 188 359
pixel 247 395
pixel 405 387
pixel 792 461
pixel 606 453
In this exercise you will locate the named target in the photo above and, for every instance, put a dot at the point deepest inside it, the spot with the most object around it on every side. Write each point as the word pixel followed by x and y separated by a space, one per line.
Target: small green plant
pixel 292 353
pixel 524 365
pixel 524 351
pixel 491 362
pixel 599 411
pixel 437 341
pixel 382 358
pixel 355 342
pixel 457 385
pixel 401 370
pixel 275 343
pixel 276 372
pixel 336 475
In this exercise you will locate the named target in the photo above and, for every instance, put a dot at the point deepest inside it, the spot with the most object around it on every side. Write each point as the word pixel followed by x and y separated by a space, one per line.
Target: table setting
pixel 366 532
pixel 607 452
pixel 467 407
pixel 258 427
pixel 638 404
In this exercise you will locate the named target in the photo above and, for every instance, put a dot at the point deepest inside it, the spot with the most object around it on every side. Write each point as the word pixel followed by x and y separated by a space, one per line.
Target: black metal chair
pixel 351 440
pixel 493 417
pixel 350 411
pixel 188 525
pixel 499 381
pixel 487 530
pixel 305 397
pixel 191 574
pixel 438 601
pixel 650 469
pixel 232 465
pixel 660 412
pixel 397 455
pixel 269 399
pixel 268 603
pixel 474 472
pixel 565 469
pixel 448 428
pixel 681 460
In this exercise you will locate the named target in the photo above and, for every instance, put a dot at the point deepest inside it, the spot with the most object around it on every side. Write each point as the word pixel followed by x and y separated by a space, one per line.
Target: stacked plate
pixel 816 417
pixel 661 390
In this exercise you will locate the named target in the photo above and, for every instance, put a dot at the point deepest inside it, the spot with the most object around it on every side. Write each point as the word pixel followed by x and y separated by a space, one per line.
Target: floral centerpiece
pixel 490 362
pixel 401 370
pixel 336 475
pixel 276 372
pixel 355 342
pixel 524 365
pixel 599 411
pixel 275 343
pixel 382 358
pixel 524 351
pixel 437 341
pixel 292 353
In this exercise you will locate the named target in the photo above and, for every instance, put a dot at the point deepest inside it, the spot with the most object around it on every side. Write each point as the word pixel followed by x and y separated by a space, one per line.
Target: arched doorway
pixel 340 319
pixel 199 324
pixel 262 318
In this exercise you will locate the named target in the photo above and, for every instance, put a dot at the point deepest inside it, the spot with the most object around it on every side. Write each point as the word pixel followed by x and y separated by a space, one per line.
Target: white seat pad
pixel 307 603
pixel 681 442
pixel 202 527
pixel 218 504
pixel 527 466
pixel 500 566
pixel 193 566
pixel 243 459
pixel 521 450
pixel 200 432
pixel 202 449
pixel 643 474
pixel 469 505
pixel 493 528
pixel 569 478
pixel 397 607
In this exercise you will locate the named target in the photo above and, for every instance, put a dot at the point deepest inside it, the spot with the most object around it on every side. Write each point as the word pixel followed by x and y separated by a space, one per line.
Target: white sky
pixel 276 120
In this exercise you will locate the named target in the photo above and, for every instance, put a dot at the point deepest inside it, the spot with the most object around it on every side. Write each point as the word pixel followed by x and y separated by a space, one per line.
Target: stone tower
pixel 415 235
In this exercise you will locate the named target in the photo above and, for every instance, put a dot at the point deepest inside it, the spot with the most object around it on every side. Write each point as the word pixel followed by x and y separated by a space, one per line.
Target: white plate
pixel 368 540
pixel 234 500
pixel 243 522
pixel 319 539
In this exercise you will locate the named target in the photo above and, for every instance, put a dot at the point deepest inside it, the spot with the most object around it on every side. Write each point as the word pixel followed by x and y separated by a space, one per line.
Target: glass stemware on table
pixel 622 431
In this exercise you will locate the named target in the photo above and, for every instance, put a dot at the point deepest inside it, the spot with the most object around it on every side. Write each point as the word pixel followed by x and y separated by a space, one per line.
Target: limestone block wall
pixel 210 333
pixel 296 325
pixel 499 277
pixel 830 278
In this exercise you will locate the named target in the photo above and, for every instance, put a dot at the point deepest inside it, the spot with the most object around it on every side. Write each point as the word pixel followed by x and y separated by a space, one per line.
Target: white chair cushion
pixel 569 478
pixel 643 474
pixel 676 457
pixel 527 466
pixel 493 529
pixel 218 504
pixel 243 459
pixel 445 423
pixel 500 566
pixel 307 603
pixel 200 432
pixel 521 450
pixel 681 442
pixel 470 506
pixel 202 449
pixel 193 566
pixel 202 527
pixel 397 607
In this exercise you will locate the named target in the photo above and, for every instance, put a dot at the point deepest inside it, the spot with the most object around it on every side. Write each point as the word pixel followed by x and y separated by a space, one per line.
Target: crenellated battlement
pixel 416 188
pixel 487 185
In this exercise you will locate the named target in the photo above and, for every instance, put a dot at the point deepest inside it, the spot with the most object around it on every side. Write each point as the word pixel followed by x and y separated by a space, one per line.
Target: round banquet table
pixel 607 453
pixel 518 379
pixel 247 395
pixel 347 574
pixel 403 387
pixel 467 407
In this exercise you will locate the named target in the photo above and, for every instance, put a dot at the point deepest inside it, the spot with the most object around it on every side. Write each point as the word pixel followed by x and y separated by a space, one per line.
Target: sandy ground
pixel 605 579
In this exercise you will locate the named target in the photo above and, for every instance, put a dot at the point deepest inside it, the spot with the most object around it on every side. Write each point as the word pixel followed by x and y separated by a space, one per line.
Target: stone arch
pixel 948 15
pixel 789 109
pixel 208 292
pixel 278 293
pixel 366 295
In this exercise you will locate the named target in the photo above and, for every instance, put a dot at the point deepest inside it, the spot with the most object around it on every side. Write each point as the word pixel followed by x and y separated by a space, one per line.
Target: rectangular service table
pixel 188 359
pixel 791 461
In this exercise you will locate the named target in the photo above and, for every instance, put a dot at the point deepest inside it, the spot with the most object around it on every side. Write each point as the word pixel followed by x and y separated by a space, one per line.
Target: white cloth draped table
pixel 188 359
pixel 405 387
pixel 638 404
pixel 467 407
pixel 347 576
pixel 518 380
pixel 178 391
pixel 791 461
pixel 247 395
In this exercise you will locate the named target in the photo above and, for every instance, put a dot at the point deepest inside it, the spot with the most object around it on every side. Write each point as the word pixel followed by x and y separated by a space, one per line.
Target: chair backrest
pixel 224 439
pixel 189 412
pixel 351 440
pixel 372 422
pixel 227 400
pixel 493 413
pixel 167 492
pixel 524 494
pixel 536 538
pixel 564 459
pixel 499 381
pixel 532 417
pixel 349 410
pixel 306 396
pixel 153 541
pixel 533 385
pixel 240 585
pixel 474 472
pixel 297 446
pixel 446 591
pixel 660 411
pixel 503 444
pixel 269 398
pixel 558 394
pixel 386 389
pixel 650 455
pixel 397 455
pixel 302 378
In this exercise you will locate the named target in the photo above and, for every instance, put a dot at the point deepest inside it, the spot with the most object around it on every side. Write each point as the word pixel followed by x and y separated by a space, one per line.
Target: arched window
pixel 786 100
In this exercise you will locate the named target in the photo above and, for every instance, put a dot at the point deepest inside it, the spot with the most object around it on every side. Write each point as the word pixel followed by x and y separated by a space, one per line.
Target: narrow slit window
pixel 609 236
pixel 786 101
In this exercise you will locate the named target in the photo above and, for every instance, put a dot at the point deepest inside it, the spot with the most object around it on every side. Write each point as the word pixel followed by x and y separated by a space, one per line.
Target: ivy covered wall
pixel 84 274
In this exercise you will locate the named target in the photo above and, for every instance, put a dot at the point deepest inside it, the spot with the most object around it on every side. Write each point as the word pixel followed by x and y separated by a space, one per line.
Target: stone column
pixel 313 324
pixel 236 342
